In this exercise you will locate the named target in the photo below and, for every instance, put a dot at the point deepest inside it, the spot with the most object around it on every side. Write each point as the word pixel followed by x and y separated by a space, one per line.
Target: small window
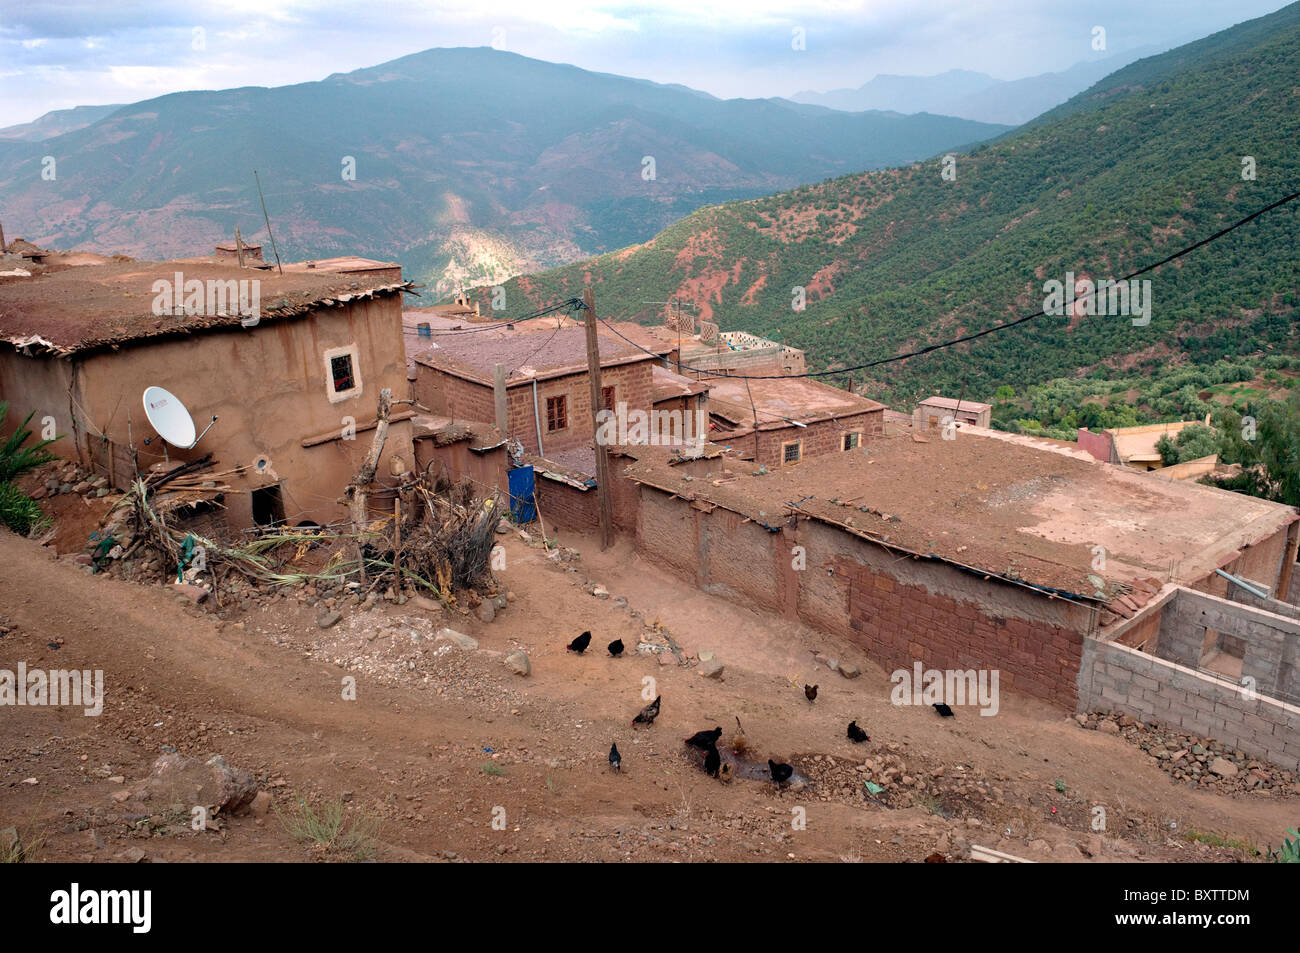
pixel 852 441
pixel 792 452
pixel 341 371
pixel 607 397
pixel 557 413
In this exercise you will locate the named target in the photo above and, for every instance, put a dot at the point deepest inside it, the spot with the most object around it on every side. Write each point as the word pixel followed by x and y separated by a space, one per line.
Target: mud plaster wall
pixel 266 384
pixel 486 470
pixel 38 385
pixel 1117 678
pixel 898 610
pixel 1265 562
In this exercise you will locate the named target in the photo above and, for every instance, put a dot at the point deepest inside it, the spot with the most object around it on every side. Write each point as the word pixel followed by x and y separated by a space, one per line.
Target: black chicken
pixel 616 648
pixel 780 772
pixel 856 734
pixel 943 710
pixel 704 740
pixel 580 644
pixel 712 761
pixel 811 692
pixel 615 761
pixel 648 714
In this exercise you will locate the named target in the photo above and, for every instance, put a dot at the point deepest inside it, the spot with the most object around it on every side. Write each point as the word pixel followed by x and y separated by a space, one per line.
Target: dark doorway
pixel 268 508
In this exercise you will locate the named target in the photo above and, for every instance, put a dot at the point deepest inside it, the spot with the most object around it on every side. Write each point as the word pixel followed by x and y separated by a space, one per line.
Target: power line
pixel 977 334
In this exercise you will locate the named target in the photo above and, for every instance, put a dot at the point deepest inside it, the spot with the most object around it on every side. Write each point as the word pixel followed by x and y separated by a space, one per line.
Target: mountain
pixel 1142 163
pixel 470 164
pixel 56 123
pixel 972 95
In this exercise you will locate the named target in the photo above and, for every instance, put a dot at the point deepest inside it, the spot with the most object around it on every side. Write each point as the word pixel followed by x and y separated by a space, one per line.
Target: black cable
pixel 978 334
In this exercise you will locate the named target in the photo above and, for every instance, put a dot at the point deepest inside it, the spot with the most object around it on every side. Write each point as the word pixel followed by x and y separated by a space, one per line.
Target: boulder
pixel 517 662
pixel 1223 768
pixel 175 778
pixel 711 669
pixel 459 639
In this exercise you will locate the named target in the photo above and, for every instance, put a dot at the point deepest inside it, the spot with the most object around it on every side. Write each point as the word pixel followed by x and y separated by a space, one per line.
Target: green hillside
pixel 1144 162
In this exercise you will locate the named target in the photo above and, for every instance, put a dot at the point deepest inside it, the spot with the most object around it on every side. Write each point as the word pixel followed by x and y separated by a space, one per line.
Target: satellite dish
pixel 170 418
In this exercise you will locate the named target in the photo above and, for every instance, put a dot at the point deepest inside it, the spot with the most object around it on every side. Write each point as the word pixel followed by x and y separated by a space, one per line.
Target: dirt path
pixel 438 738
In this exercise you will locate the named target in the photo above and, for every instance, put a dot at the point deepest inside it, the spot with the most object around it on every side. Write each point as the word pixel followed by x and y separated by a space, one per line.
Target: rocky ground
pixel 413 722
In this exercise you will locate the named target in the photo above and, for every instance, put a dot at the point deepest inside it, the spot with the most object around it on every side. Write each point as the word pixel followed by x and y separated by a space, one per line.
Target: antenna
pixel 170 418
pixel 268 226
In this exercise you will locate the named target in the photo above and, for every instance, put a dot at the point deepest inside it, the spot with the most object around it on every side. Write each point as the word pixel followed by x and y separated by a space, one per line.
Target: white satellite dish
pixel 170 418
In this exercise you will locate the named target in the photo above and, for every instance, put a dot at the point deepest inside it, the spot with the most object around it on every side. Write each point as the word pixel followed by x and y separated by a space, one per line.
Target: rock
pixel 132 855
pixel 420 602
pixel 83 559
pixel 175 778
pixel 121 797
pixel 706 656
pixel 1082 719
pixel 849 671
pixel 486 611
pixel 600 592
pixel 503 527
pixel 328 619
pixel 666 658
pixel 1108 728
pixel 462 641
pixel 260 805
pixel 1223 768
pixel 195 594
pixel 11 844
pixel 711 669
pixel 517 662
pixel 82 487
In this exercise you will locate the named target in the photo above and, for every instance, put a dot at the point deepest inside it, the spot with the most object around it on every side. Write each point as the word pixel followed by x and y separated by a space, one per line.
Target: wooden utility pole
pixel 602 455
pixel 239 248
pixel 499 398
pixel 2 239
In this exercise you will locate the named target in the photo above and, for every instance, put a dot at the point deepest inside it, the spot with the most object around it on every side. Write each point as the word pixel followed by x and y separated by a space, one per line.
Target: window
pixel 557 413
pixel 342 373
pixel 852 441
pixel 792 452
pixel 607 397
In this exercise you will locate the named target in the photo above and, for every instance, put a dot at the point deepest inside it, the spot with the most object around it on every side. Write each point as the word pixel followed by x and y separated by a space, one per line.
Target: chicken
pixel 704 740
pixel 615 761
pixel 712 762
pixel 648 714
pixel 811 692
pixel 780 772
pixel 943 710
pixel 856 734
pixel 724 773
pixel 616 648
pixel 580 644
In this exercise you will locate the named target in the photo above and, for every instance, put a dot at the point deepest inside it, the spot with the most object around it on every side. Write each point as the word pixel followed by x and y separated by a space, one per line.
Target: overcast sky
pixel 54 54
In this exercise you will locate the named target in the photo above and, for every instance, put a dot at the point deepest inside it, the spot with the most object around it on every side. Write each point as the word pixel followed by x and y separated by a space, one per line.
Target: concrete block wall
pixel 1114 677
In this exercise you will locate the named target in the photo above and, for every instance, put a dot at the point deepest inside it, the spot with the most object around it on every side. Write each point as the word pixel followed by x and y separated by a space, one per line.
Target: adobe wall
pixel 898 610
pixel 455 397
pixel 486 470
pixel 821 437
pixel 39 385
pixel 1114 677
pixel 268 387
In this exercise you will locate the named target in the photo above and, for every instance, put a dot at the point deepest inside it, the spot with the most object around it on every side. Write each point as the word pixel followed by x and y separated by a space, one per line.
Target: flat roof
pixel 529 353
pixel 952 403
pixel 780 400
pixel 1007 505
pixel 668 385
pixel 346 264
pixel 69 309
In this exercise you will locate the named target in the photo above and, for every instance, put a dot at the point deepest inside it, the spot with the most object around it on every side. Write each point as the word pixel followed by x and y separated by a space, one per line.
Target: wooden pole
pixel 239 248
pixel 2 239
pixel 602 456
pixel 499 397
pixel 356 494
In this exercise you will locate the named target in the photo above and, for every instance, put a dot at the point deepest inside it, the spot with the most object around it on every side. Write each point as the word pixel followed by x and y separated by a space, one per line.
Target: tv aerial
pixel 171 420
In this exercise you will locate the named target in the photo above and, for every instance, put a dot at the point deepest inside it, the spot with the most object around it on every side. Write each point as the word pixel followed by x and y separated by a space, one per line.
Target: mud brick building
pixel 780 422
pixel 79 344
pixel 978 552
pixel 548 397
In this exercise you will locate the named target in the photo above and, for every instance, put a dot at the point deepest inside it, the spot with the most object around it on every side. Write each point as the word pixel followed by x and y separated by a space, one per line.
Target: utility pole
pixel 602 455
pixel 271 235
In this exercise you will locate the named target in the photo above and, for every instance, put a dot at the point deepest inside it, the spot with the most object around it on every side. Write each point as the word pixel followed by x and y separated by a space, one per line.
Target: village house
pixel 931 413
pixel 294 383
pixel 1083 585
pixel 782 421
pixel 1135 446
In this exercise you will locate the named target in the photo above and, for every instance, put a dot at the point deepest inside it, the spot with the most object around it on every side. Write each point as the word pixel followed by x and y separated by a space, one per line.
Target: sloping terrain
pixel 1144 162
pixel 466 164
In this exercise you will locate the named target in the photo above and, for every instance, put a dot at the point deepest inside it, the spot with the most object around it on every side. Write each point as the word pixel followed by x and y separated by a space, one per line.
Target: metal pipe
pixel 537 420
